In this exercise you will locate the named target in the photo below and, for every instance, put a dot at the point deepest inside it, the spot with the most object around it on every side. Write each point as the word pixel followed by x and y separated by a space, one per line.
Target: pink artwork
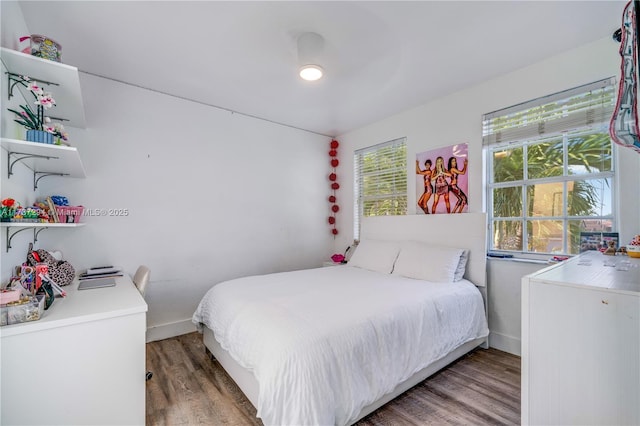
pixel 442 180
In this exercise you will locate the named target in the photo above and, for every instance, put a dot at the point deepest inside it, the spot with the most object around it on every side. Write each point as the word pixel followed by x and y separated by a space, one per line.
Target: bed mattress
pixel 324 343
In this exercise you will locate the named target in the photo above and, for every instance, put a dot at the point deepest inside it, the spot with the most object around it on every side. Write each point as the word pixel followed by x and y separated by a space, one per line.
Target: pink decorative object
pixel 8 296
pixel 69 214
pixel 338 258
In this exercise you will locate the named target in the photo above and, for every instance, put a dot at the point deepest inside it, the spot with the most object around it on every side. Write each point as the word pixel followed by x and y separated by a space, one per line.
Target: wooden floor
pixel 187 388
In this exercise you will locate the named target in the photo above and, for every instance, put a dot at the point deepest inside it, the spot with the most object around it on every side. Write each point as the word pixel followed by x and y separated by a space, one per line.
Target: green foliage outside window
pixel 381 181
pixel 564 184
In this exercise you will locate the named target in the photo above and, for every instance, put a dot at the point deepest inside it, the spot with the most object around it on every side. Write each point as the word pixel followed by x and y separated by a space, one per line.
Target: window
pixel 380 185
pixel 550 170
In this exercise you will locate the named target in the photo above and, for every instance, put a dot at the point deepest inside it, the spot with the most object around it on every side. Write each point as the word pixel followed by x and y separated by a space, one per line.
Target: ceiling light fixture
pixel 310 47
pixel 311 72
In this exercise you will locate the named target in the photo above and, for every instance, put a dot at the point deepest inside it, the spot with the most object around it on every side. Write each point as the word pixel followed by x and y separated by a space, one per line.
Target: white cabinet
pixel 581 342
pixel 83 363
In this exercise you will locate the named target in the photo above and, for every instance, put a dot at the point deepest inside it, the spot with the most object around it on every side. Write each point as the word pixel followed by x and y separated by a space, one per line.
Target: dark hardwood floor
pixel 187 388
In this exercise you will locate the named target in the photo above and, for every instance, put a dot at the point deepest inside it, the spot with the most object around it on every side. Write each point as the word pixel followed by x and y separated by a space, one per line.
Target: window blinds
pixel 380 173
pixel 588 105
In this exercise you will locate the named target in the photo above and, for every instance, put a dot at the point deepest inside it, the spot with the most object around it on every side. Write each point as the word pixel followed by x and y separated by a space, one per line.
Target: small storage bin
pixel 69 214
pixel 30 310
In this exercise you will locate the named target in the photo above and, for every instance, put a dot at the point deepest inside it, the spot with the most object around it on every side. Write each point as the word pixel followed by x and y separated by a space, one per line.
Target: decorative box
pixel 43 47
pixel 69 214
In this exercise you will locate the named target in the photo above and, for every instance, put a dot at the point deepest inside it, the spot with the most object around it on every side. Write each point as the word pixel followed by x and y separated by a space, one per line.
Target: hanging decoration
pixel 333 178
pixel 624 128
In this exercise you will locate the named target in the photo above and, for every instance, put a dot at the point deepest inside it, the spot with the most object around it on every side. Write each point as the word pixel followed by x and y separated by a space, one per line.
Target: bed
pixel 330 345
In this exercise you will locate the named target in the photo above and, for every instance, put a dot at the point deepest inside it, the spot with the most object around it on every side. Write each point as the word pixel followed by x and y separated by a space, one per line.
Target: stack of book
pixel 101 272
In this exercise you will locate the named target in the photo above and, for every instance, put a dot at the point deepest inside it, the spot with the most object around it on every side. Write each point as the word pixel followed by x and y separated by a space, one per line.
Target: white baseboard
pixel 505 343
pixel 165 331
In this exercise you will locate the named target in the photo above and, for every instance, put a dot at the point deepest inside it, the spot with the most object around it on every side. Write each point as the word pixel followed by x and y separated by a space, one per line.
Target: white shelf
pixel 39 225
pixel 63 159
pixel 67 94
pixel 26 225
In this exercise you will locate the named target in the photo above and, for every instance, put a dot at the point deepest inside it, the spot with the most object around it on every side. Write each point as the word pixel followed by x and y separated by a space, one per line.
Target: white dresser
pixel 581 342
pixel 82 363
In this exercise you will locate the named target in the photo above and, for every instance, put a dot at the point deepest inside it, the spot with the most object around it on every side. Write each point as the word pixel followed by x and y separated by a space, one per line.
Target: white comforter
pixel 324 343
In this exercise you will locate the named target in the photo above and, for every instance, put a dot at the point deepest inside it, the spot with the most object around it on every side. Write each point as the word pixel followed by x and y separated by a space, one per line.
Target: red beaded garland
pixel 333 177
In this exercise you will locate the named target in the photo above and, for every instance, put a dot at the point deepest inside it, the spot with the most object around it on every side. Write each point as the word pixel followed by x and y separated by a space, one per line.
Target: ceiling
pixel 380 57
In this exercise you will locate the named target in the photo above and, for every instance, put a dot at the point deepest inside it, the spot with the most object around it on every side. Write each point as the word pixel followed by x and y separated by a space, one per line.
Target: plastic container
pixel 26 310
pixel 633 251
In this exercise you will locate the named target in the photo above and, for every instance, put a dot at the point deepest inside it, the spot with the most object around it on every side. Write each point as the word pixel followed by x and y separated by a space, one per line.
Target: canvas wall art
pixel 442 180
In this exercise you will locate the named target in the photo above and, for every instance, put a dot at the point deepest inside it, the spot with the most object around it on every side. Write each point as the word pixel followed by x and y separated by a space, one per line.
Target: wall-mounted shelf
pixel 37 228
pixel 43 159
pixel 66 92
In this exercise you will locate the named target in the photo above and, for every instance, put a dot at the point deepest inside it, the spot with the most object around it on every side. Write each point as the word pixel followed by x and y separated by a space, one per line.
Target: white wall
pixel 210 196
pixel 457 118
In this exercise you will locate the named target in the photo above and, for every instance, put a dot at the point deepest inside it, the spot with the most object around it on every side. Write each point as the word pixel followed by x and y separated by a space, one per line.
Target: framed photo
pixel 597 240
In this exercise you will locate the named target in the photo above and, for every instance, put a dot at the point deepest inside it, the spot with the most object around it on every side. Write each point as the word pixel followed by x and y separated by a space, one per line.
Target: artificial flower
pixel 35 88
pixel 45 100
pixel 57 129
pixel 8 202
pixel 27 117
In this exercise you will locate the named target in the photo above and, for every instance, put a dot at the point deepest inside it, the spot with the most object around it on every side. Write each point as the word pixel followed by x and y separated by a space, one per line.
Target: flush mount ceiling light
pixel 310 46
pixel 311 72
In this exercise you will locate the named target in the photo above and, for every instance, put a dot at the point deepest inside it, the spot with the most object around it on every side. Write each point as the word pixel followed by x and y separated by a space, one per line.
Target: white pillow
pixel 375 255
pixel 462 266
pixel 428 262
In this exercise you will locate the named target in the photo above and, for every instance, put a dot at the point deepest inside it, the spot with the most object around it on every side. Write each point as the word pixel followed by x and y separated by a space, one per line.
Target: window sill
pixel 520 259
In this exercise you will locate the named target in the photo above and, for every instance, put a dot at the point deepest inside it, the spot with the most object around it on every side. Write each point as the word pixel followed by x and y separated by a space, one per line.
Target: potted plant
pixel 37 125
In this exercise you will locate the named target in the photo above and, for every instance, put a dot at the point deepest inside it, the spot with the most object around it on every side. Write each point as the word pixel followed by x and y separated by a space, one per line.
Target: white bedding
pixel 323 343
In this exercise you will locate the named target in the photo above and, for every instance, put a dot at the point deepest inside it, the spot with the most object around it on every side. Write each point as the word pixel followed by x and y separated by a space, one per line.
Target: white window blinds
pixel 591 104
pixel 380 174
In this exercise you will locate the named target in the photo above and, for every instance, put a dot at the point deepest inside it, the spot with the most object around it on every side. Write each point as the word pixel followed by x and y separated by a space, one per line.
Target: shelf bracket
pixel 24 157
pixel 11 235
pixel 13 79
pixel 37 178
pixel 37 232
